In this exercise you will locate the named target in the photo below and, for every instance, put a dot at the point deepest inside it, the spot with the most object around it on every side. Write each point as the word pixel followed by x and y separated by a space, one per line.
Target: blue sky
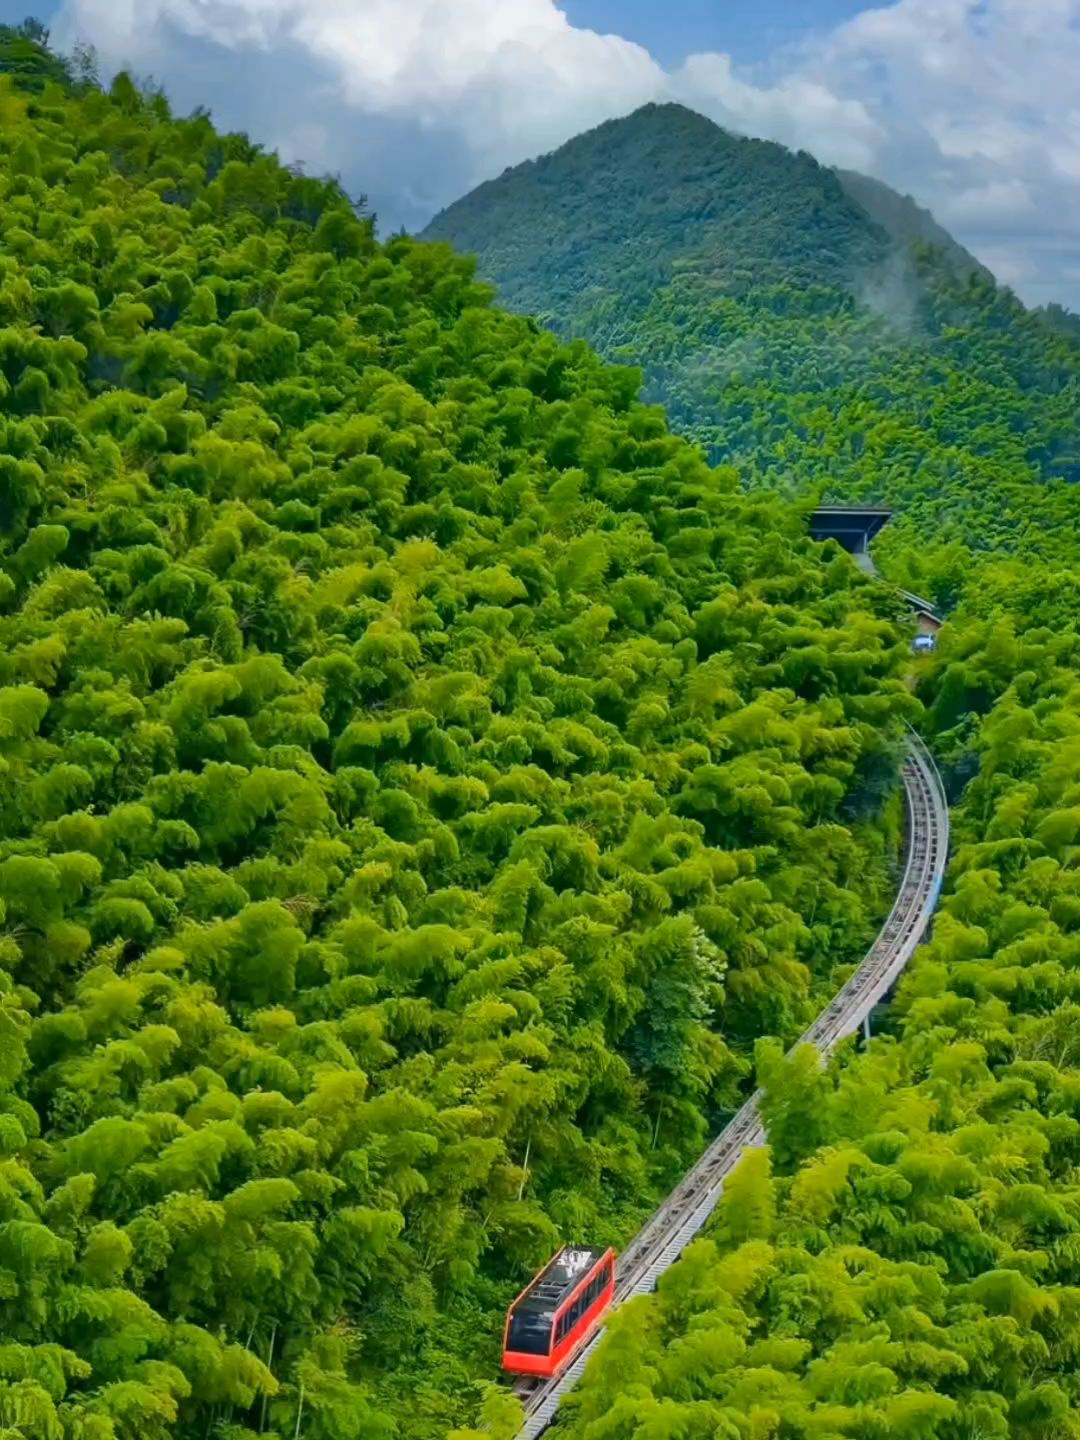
pixel 12 12
pixel 750 32
pixel 968 105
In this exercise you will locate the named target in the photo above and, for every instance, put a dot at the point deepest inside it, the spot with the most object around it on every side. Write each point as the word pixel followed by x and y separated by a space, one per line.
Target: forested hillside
pixel 803 326
pixel 568 234
pixel 422 778
pixel 904 1259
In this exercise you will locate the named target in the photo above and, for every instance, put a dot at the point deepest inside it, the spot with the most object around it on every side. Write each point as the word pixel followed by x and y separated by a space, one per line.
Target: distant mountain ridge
pixel 810 327
pixel 664 190
pixel 907 222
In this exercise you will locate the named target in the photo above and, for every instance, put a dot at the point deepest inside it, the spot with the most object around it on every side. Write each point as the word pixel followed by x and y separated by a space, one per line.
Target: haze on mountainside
pixel 617 208
pixel 793 320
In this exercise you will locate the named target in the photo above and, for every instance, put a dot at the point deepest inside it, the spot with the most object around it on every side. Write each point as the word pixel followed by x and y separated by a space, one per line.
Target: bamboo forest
pixel 441 778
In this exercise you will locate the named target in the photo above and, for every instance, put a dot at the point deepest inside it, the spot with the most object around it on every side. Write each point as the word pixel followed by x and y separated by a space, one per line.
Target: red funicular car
pixel 558 1311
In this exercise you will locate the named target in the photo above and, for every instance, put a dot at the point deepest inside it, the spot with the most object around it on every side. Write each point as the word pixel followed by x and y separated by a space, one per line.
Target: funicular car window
pixel 583 1303
pixel 530 1332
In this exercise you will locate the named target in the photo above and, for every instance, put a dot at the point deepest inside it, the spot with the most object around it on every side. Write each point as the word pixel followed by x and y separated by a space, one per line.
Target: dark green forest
pixel 904 1259
pixel 433 792
pixel 422 780
pixel 811 328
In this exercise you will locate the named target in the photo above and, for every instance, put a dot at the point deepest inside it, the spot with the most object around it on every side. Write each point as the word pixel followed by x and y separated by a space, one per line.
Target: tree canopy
pixel 810 328
pixel 903 1256
pixel 423 778
pixel 431 793
pixel 901 1259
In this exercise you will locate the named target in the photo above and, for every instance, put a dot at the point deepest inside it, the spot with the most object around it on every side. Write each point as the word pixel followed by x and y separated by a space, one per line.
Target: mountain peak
pixel 620 208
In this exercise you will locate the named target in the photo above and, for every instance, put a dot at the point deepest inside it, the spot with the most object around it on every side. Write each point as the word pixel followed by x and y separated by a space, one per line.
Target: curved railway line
pixel 663 1238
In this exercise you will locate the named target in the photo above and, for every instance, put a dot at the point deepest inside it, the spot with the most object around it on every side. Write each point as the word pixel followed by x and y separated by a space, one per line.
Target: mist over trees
pixel 812 328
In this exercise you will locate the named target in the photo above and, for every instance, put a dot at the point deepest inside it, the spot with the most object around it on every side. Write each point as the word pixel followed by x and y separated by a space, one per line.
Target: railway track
pixel 663 1238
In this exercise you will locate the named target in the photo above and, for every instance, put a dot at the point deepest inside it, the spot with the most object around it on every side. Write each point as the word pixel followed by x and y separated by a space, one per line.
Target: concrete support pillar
pixel 866 1028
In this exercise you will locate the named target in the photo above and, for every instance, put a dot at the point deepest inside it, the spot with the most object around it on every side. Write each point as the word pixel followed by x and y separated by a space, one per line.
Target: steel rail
pixel 663 1238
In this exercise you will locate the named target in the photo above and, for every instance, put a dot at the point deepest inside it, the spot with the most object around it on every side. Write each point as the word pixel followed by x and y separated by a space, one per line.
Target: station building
pixel 854 527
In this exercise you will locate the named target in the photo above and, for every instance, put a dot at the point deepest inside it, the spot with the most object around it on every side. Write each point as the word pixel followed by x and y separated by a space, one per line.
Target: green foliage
pixel 912 1265
pixel 25 56
pixel 903 1258
pixel 812 329
pixel 422 778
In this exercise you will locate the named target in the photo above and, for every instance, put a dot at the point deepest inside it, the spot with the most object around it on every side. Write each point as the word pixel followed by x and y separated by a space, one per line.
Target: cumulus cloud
pixel 966 104
pixel 1011 266
pixel 978 101
pixel 508 76
pixel 999 202
pixel 797 110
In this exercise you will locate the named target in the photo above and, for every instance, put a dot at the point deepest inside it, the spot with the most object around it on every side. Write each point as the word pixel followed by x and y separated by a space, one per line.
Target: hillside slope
pixel 421 780
pixel 617 211
pixel 907 223
pixel 796 337
pixel 904 1257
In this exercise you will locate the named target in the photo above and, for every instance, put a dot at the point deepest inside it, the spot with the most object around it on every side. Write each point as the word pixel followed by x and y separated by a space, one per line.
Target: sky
pixel 968 105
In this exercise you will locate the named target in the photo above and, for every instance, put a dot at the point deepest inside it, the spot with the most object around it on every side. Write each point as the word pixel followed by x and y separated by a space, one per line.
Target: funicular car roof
pixel 559 1277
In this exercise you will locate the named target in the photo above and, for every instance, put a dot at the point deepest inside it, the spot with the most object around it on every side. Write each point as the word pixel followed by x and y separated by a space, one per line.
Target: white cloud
pixel 797 111
pixel 970 137
pixel 509 76
pixel 1012 267
pixel 977 98
pixel 966 104
pixel 307 143
pixel 1000 202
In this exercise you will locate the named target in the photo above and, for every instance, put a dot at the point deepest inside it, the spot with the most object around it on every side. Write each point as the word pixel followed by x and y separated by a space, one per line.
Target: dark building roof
pixel 558 1277
pixel 854 526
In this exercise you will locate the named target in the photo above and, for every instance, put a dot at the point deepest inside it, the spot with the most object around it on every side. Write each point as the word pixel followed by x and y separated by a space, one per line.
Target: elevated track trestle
pixel 663 1238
